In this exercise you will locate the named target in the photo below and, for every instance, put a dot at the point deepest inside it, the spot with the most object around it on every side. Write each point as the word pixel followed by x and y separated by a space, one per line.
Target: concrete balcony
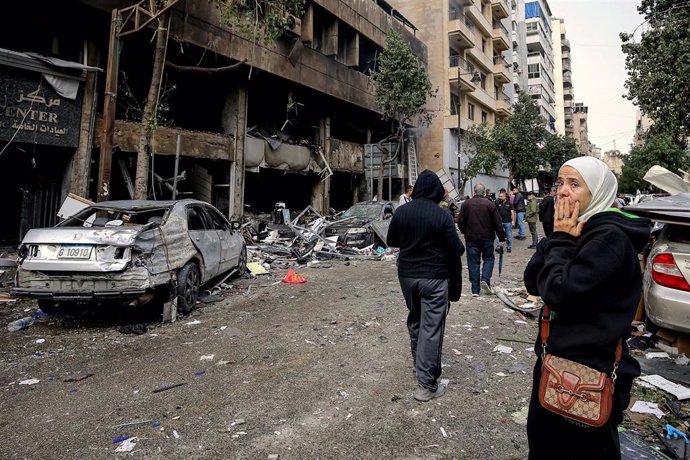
pixel 567 79
pixel 500 38
pixel 482 22
pixel 502 71
pixel 458 67
pixel 503 107
pixel 481 97
pixel 461 32
pixel 566 65
pixel 565 45
pixel 484 61
pixel 500 9
pixel 451 122
pixel 568 94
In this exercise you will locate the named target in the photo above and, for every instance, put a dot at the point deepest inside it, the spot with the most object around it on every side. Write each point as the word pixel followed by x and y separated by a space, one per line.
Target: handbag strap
pixel 545 329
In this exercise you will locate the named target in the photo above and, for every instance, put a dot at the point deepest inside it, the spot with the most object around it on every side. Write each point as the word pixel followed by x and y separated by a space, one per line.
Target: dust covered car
pixel 667 274
pixel 363 224
pixel 129 252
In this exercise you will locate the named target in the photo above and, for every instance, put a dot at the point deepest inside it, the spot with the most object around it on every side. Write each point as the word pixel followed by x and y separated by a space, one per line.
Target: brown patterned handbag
pixel 573 390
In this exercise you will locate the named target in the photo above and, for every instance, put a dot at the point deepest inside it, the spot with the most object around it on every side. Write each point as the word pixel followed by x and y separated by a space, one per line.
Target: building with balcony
pixel 565 120
pixel 577 124
pixel 540 59
pixel 469 46
pixel 257 122
pixel 519 35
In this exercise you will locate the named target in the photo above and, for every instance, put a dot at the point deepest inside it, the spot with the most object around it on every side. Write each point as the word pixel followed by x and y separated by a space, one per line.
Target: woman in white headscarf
pixel 589 276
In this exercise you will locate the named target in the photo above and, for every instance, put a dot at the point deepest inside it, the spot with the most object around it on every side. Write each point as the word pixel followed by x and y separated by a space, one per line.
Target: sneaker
pixel 475 295
pixel 424 394
pixel 508 250
pixel 486 289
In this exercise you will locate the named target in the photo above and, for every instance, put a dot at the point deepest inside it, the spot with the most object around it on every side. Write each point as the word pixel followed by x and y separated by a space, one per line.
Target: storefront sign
pixel 32 112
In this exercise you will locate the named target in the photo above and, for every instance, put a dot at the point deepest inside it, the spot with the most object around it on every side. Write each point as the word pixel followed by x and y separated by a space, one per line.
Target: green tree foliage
pixel 659 149
pixel 520 138
pixel 480 154
pixel 260 20
pixel 556 151
pixel 402 87
pixel 658 65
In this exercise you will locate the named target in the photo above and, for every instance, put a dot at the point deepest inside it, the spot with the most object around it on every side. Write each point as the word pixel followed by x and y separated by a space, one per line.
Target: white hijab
pixel 600 181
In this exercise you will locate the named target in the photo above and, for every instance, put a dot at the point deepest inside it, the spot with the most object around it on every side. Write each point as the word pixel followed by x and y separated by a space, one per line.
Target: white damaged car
pixel 129 252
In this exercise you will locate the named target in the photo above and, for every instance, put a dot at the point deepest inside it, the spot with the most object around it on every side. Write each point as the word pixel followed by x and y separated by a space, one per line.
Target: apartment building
pixel 580 128
pixel 470 62
pixel 540 59
pixel 519 32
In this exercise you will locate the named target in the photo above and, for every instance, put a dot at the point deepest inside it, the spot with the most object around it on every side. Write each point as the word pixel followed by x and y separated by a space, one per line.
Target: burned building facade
pixel 240 122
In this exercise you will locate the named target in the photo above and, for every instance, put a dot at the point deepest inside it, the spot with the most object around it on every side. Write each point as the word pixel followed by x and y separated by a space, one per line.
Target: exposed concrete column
pixel 321 193
pixel 81 162
pixel 234 122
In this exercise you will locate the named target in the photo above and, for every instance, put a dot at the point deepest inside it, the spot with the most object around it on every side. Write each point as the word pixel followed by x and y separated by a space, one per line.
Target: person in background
pixel 507 213
pixel 531 217
pixel 405 197
pixel 588 273
pixel 546 209
pixel 429 272
pixel 519 206
pixel 480 222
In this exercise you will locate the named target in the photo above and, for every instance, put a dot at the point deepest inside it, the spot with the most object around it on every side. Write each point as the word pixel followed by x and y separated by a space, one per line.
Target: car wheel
pixel 50 307
pixel 242 263
pixel 188 282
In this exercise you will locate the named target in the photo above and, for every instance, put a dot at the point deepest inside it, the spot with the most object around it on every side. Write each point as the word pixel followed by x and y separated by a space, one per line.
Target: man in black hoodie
pixel 430 252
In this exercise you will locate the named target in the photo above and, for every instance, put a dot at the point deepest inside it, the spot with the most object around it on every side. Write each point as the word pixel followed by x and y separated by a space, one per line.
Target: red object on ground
pixel 292 277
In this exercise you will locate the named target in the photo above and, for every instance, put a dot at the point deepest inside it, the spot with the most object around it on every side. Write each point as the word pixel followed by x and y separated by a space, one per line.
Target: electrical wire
pixel 40 83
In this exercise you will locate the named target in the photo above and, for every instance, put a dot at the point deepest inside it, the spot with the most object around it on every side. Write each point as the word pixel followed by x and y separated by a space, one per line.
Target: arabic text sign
pixel 37 114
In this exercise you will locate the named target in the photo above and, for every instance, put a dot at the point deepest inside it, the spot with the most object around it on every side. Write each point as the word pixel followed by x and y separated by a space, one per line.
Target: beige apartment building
pixel 466 42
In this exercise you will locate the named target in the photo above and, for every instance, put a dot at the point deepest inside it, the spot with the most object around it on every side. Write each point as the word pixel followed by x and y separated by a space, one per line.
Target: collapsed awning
pixel 288 157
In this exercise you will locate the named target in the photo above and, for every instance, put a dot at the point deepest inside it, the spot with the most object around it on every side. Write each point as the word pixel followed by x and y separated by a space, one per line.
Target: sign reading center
pixel 32 112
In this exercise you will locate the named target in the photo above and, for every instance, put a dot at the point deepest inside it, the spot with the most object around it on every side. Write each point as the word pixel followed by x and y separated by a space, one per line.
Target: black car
pixel 363 224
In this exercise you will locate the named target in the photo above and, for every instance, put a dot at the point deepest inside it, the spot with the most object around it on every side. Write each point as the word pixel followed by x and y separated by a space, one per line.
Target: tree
pixel 520 138
pixel 659 65
pixel 402 87
pixel 556 151
pixel 481 154
pixel 660 149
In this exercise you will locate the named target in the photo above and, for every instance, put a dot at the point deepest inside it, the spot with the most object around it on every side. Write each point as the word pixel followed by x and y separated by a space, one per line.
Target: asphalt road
pixel 318 370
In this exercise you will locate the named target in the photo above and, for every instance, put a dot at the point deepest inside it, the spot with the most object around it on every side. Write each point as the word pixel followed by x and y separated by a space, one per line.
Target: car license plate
pixel 74 252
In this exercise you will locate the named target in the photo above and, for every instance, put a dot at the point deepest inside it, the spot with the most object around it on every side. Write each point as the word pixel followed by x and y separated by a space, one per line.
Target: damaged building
pixel 241 124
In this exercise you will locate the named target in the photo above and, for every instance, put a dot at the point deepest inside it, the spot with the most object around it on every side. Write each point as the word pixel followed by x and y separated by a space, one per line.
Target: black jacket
pixel 519 202
pixel 593 285
pixel 480 220
pixel 428 240
pixel 546 209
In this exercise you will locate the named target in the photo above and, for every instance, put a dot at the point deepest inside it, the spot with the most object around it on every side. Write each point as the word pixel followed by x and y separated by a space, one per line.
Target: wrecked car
pixel 667 272
pixel 129 252
pixel 363 224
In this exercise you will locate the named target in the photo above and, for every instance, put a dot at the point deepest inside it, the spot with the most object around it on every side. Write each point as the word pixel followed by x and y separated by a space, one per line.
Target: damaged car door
pixel 205 238
pixel 230 247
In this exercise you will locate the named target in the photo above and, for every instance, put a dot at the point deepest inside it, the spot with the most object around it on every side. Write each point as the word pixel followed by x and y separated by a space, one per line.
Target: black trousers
pixel 553 437
pixel 427 303
pixel 548 228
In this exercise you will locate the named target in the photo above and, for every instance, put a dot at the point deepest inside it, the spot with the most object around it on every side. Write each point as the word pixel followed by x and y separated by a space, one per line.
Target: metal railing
pixel 463 64
pixel 498 25
pixel 498 60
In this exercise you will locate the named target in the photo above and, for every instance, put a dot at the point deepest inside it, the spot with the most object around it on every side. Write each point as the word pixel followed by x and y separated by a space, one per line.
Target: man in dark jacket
pixel 430 252
pixel 546 208
pixel 479 222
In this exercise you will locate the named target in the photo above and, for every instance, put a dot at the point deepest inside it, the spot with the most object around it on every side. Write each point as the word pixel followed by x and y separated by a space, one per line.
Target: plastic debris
pixel 20 324
pixel 502 349
pixel 192 323
pixel 40 340
pixel 645 407
pixel 674 433
pixel 199 373
pixel 127 445
pixel 656 354
pixel 679 391
pixel 207 357
pixel 120 438
pixel 176 435
pixel 255 268
pixel 29 382
pixel 293 278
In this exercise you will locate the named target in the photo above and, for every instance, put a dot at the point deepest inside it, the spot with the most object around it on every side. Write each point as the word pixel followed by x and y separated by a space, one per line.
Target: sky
pixel 599 75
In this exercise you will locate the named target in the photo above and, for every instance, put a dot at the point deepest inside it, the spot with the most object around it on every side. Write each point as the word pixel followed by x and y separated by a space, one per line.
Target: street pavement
pixel 317 370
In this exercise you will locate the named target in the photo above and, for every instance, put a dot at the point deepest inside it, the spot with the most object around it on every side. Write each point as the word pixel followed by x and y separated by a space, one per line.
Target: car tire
pixel 242 262
pixel 188 283
pixel 50 307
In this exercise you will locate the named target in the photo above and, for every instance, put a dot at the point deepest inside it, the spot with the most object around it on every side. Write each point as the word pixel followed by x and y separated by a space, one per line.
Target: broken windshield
pixel 97 217
pixel 367 211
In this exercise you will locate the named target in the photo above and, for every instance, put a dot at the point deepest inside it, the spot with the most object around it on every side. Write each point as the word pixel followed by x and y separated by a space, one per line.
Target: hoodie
pixel 429 244
pixel 593 284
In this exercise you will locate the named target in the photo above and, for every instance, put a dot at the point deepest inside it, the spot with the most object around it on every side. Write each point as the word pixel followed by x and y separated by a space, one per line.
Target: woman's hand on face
pixel 566 220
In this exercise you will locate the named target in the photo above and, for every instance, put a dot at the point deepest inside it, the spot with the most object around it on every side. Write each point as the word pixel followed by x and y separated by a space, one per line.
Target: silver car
pixel 129 252
pixel 667 273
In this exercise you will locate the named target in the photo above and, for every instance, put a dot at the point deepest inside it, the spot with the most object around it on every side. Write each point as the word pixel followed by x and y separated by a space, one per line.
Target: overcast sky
pixel 599 75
